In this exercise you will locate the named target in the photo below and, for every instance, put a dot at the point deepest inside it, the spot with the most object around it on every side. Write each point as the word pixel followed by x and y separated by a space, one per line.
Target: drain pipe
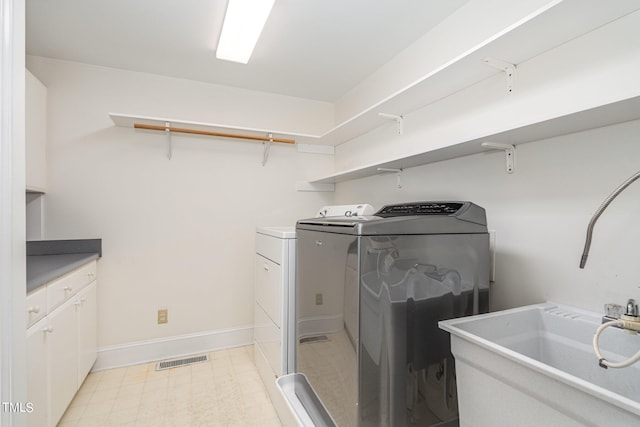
pixel 596 215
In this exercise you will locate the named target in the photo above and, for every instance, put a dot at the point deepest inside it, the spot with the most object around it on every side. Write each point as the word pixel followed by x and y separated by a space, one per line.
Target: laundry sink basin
pixel 535 366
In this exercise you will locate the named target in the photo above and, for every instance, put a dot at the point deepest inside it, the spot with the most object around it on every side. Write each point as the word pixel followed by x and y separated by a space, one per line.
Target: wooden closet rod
pixel 209 133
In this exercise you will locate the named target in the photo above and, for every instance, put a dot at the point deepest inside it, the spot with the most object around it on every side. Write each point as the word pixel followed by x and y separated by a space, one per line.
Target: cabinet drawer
pixel 36 304
pixel 68 285
pixel 268 288
pixel 269 247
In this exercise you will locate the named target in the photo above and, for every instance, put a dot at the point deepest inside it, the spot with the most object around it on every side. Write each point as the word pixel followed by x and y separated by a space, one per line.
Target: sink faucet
pixel 596 215
pixel 629 321
pixel 613 312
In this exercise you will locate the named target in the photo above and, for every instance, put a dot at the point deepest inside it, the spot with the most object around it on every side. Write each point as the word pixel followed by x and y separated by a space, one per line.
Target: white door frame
pixel 12 207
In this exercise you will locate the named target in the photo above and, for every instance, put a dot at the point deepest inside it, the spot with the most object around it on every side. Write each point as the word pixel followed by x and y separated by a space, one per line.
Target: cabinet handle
pixel 48 329
pixel 67 289
pixel 319 242
pixel 266 267
pixel 33 310
pixel 77 303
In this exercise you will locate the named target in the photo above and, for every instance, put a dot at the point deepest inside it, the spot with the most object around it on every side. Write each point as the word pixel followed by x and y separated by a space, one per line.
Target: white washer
pixel 274 288
pixel 274 311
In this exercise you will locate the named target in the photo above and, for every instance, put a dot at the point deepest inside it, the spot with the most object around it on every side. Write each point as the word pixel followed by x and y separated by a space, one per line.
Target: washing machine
pixel 370 292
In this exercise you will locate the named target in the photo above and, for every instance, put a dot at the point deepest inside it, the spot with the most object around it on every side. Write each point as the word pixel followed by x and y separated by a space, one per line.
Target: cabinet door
pixel 63 358
pixel 87 329
pixel 37 374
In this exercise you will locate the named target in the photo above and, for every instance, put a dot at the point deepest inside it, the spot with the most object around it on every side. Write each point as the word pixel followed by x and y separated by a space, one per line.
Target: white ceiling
pixel 315 49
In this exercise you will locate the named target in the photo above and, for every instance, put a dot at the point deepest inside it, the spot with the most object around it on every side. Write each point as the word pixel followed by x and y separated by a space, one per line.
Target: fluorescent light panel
pixel 243 23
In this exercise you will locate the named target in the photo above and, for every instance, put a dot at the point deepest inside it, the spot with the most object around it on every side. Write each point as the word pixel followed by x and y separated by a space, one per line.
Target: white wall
pixel 540 213
pixel 176 233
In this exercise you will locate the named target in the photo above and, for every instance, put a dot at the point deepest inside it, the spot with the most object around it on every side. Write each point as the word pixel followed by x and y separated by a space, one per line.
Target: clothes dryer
pixel 370 292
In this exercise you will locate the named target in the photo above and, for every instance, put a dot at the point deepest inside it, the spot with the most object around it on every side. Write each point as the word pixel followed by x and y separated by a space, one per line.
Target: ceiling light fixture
pixel 243 23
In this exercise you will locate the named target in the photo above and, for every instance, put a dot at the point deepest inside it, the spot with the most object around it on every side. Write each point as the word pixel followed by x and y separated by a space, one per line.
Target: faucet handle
pixel 614 311
pixel 632 308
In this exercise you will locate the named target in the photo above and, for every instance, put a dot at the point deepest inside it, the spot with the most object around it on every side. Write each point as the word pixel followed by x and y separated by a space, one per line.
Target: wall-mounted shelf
pixel 548 27
pixel 617 112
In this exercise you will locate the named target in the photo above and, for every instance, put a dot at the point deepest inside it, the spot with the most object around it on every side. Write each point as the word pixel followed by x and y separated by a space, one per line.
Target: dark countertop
pixel 49 259
pixel 45 268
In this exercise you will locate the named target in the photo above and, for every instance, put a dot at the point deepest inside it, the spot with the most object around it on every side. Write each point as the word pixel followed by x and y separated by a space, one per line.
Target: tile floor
pixel 225 391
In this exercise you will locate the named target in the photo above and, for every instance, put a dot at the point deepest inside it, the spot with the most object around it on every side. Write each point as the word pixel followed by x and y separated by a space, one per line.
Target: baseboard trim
pixel 135 353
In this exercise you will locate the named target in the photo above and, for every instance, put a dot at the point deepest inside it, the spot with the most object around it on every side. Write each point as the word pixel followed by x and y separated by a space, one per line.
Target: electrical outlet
pixel 163 315
pixel 318 299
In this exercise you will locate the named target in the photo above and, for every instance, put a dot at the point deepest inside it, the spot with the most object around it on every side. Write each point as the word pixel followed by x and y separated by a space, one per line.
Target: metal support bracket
pixel 509 153
pixel 398 176
pixel 167 131
pixel 508 69
pixel 399 121
pixel 267 147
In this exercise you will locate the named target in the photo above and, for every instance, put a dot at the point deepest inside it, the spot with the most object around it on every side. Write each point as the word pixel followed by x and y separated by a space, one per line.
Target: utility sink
pixel 535 365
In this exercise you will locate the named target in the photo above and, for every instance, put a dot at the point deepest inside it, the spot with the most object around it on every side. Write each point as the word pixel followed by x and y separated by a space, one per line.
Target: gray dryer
pixel 370 293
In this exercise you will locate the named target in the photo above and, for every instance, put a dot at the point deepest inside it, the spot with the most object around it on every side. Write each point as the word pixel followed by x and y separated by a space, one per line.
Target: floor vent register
pixel 176 363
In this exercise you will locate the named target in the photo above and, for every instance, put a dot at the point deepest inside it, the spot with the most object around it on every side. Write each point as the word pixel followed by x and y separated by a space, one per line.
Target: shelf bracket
pixel 399 121
pixel 508 69
pixel 392 170
pixel 509 153
pixel 167 131
pixel 267 147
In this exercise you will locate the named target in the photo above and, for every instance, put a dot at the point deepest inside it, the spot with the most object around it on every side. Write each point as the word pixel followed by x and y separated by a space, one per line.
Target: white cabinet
pixel 62 345
pixel 35 132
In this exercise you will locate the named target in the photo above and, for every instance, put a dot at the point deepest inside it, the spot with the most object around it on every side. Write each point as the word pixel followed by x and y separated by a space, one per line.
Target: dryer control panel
pixel 420 208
